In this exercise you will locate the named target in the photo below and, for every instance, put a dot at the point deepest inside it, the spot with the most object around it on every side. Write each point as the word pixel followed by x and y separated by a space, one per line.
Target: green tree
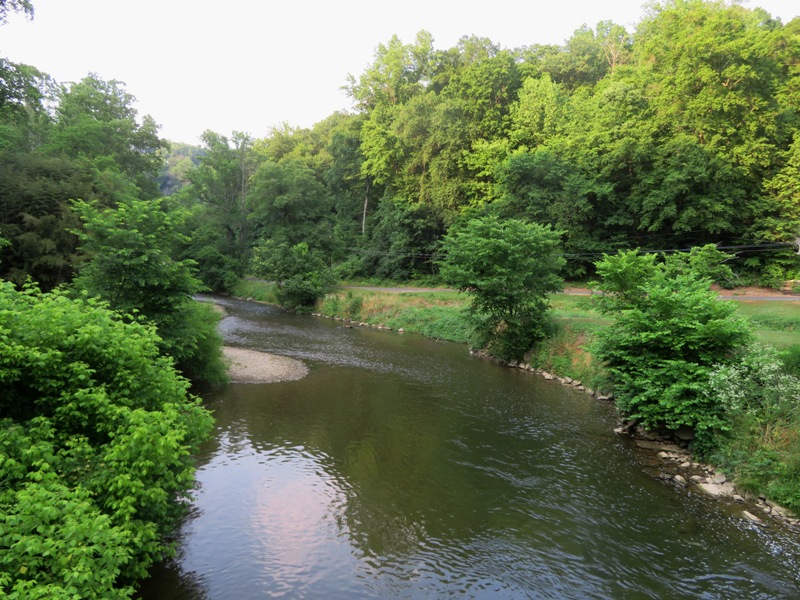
pixel 131 266
pixel 587 57
pixel 220 185
pixel 289 204
pixel 780 220
pixel 398 73
pixel 540 112
pixel 180 159
pixel 670 331
pixel 35 216
pixel 508 268
pixel 96 121
pixel 487 87
pixel 34 187
pixel 300 273
pixel 351 191
pixel 25 93
pixel 543 187
pixel 403 240
pixel 96 436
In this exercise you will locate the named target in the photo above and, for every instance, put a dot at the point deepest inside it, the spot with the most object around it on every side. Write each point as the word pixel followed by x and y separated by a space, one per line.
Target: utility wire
pixel 743 248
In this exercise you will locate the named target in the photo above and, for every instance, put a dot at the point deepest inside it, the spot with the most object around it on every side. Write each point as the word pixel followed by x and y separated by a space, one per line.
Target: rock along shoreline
pixel 677 465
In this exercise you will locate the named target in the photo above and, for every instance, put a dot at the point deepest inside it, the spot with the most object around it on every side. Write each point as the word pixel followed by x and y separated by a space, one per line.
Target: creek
pixel 402 467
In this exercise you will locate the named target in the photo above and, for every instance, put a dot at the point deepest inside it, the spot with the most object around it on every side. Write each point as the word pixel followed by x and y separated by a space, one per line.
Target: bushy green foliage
pixel 131 266
pixel 217 271
pixel 130 263
pixel 757 385
pixel 195 342
pixel 301 275
pixel 403 238
pixel 354 306
pixel 669 333
pixel 707 261
pixel 96 436
pixel 762 405
pixel 36 217
pixel 289 204
pixel 508 268
pixel 96 123
pixel 204 241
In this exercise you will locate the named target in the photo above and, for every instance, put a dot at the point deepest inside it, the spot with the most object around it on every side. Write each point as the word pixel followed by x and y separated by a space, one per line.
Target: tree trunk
pixel 364 214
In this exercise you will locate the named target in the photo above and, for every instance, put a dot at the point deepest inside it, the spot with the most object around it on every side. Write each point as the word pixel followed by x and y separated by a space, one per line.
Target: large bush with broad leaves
pixel 97 432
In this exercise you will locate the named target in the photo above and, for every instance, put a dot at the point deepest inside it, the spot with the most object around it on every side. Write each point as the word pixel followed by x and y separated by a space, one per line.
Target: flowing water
pixel 405 468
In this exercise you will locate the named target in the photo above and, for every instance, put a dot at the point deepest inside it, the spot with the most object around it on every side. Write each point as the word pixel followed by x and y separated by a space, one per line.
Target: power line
pixel 742 248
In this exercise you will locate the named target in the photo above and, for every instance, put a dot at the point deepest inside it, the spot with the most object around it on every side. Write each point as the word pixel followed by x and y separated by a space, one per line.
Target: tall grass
pixel 257 290
pixel 438 315
pixel 567 353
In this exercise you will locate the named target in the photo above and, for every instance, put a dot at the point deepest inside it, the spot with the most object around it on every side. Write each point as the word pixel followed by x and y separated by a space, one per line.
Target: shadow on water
pixel 402 467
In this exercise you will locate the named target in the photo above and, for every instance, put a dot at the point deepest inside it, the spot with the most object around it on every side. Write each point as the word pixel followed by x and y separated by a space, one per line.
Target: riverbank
pixel 567 356
pixel 670 459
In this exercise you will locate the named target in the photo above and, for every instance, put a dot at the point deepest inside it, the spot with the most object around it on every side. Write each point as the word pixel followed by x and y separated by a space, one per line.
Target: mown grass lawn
pixel 777 322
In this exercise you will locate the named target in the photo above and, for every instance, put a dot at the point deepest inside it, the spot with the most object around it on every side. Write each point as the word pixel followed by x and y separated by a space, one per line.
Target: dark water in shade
pixel 405 468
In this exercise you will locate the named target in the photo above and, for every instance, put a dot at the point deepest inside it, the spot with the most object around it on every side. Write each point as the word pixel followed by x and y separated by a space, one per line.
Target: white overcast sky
pixel 249 65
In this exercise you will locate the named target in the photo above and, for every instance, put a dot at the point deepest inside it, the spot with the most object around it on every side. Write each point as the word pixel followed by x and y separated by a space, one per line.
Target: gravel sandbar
pixel 252 366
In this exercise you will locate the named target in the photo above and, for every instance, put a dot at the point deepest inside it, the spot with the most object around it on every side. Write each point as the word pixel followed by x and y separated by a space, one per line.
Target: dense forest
pixel 678 134
pixel 682 134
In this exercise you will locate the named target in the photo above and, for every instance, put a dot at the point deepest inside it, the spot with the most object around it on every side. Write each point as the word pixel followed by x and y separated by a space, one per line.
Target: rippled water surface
pixel 405 468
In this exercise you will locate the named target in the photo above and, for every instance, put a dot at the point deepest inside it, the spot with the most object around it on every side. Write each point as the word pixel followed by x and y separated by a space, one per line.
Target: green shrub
pixel 791 360
pixel 131 267
pixel 218 272
pixel 772 276
pixel 670 331
pixel 96 435
pixel 354 306
pixel 507 267
pixel 758 385
pixel 195 343
pixel 300 274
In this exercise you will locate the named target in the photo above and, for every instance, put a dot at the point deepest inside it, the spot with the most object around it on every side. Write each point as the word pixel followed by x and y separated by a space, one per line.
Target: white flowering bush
pixel 760 444
pixel 756 386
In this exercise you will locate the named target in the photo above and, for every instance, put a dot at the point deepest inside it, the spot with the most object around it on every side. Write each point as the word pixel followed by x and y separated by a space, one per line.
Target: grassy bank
pixel 254 289
pixel 433 314
pixel 440 314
